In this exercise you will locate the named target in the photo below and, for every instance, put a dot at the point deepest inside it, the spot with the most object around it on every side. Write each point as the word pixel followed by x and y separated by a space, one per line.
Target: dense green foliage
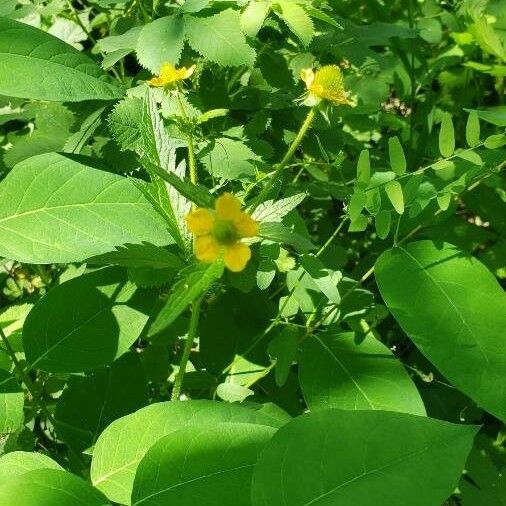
pixel 339 339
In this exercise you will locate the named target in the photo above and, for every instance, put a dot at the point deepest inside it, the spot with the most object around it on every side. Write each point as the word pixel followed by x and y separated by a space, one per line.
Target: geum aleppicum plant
pixel 219 233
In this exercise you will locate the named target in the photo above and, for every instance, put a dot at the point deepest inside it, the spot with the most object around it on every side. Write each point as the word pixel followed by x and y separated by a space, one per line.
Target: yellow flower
pixel 219 232
pixel 170 75
pixel 325 84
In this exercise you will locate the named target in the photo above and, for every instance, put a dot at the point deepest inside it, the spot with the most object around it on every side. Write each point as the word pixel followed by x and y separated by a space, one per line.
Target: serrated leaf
pixel 275 210
pixel 127 40
pixel 161 41
pixel 55 208
pixel 473 129
pixel 253 17
pixel 278 232
pixel 321 276
pixel 393 189
pixel 446 136
pixel 334 457
pixel 229 159
pixel 335 372
pixel 119 449
pixel 297 19
pixel 219 39
pixel 185 291
pixel 124 124
pixel 105 321
pixel 397 158
pixel 27 53
pixel 450 305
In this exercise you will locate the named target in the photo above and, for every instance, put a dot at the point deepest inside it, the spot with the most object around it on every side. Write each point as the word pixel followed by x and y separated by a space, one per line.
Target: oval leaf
pixel 393 190
pixel 84 323
pixel 56 209
pixel 119 448
pixel 37 65
pixel 17 463
pixel 397 158
pixel 473 129
pixel 209 465
pixel 334 372
pixel 50 487
pixel 447 136
pixel 451 306
pixel 366 458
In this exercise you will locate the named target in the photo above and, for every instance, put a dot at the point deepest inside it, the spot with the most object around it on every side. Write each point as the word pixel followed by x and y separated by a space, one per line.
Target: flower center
pixel 225 232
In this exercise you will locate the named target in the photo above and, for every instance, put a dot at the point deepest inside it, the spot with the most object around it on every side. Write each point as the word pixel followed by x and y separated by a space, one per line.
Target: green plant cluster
pixel 252 252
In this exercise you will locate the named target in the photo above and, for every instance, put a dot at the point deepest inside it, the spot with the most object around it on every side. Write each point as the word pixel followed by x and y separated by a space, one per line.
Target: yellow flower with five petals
pixel 170 75
pixel 326 84
pixel 219 232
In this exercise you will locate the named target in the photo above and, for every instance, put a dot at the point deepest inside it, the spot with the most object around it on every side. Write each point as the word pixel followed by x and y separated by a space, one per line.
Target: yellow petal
pixel 228 207
pixel 307 75
pixel 246 226
pixel 200 221
pixel 207 248
pixel 168 73
pixel 156 81
pixel 236 256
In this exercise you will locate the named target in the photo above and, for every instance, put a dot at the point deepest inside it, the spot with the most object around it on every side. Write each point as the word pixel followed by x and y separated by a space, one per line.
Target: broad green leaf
pixel 382 222
pixel 119 448
pixel 364 167
pixel 297 19
pixel 335 372
pixel 393 189
pixel 84 323
pixel 253 17
pixel 186 290
pixel 473 129
pixel 209 465
pixel 276 210
pixel 397 158
pixel 90 403
pixel 50 487
pixel 233 392
pixel 359 224
pixel 229 159
pixel 219 39
pixel 27 54
pixel 365 458
pixel 446 136
pixel 55 208
pixel 278 232
pixel 450 305
pixel 11 403
pixel 160 42
pixel 17 463
pixel 194 5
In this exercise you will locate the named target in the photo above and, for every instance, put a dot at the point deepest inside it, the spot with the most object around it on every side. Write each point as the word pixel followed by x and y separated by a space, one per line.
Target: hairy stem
pixel 192 334
pixel 311 115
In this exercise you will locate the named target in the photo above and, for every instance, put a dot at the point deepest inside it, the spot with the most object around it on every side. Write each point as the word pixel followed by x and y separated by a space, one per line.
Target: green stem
pixel 192 334
pixel 192 164
pixel 311 115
